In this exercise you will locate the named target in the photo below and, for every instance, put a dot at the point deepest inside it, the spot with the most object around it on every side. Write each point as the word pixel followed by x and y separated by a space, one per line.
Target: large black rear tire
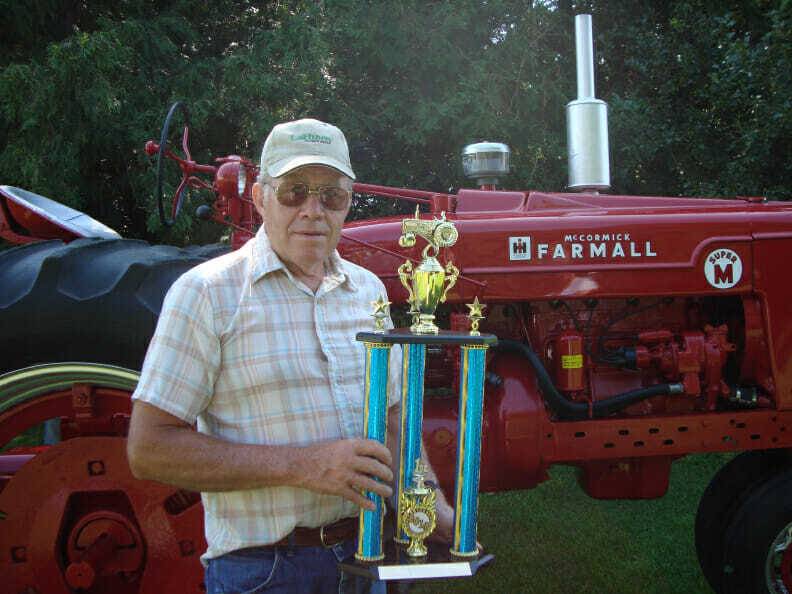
pixel 90 300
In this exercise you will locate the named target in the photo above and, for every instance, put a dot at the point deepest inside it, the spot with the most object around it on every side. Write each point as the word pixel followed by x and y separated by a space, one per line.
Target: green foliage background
pixel 700 93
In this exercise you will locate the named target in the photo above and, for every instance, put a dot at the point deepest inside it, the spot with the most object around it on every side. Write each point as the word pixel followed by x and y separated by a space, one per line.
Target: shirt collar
pixel 339 271
pixel 265 260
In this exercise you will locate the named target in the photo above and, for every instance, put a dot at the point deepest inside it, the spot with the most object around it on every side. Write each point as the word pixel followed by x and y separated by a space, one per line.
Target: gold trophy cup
pixel 426 284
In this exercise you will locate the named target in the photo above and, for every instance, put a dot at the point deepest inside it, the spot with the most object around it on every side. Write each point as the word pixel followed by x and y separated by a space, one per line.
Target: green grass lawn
pixel 557 539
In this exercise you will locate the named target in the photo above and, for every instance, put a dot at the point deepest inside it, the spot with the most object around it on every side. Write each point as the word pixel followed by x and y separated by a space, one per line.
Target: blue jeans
pixel 282 570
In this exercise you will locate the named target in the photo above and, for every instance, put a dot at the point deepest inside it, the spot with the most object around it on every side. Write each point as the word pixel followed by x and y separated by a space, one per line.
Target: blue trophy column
pixel 471 407
pixel 375 424
pixel 411 421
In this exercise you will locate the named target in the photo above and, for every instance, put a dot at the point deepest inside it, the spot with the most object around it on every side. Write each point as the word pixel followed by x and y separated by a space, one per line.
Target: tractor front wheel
pixel 757 556
pixel 722 499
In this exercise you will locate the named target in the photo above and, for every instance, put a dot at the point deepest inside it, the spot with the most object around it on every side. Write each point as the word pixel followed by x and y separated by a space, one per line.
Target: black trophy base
pixel 439 563
pixel 404 336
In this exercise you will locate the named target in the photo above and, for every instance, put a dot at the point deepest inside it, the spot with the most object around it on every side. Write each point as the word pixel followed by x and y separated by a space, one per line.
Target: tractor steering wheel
pixel 163 152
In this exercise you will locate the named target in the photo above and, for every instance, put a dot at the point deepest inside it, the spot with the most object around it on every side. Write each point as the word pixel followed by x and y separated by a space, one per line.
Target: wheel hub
pixel 77 518
pixel 73 516
pixel 778 567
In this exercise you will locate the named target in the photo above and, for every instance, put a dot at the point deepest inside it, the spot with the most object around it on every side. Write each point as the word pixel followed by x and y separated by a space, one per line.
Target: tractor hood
pixel 537 245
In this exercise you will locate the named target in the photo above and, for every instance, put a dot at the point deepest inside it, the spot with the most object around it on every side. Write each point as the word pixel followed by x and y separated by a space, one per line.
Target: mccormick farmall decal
pixel 581 246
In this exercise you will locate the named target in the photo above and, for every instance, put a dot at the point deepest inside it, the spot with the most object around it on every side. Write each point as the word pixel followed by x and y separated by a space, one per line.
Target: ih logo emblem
pixel 723 268
pixel 520 248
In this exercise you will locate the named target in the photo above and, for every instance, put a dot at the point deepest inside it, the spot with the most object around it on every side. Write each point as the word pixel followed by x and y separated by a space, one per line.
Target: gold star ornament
pixel 475 315
pixel 380 314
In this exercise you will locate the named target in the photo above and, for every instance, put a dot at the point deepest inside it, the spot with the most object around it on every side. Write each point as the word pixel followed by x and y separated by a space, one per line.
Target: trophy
pixel 417 512
pixel 427 285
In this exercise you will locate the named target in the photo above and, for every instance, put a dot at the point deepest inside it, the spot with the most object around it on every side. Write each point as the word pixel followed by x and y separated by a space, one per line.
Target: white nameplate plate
pixel 424 571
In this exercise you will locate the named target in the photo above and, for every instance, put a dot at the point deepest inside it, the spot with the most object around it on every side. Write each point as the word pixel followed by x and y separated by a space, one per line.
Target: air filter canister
pixel 568 355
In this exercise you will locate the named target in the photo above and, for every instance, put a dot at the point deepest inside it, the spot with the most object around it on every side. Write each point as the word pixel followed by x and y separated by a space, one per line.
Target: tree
pixel 698 92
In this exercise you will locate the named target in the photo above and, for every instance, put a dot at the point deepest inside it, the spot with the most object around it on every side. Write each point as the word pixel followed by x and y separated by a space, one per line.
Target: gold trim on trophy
pixel 426 284
pixel 380 314
pixel 475 316
pixel 417 511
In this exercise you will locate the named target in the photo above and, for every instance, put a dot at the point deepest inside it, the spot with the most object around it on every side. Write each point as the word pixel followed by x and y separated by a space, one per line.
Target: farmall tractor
pixel 632 331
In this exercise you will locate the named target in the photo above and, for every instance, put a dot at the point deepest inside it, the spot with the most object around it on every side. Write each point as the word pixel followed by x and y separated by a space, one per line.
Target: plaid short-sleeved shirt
pixel 253 356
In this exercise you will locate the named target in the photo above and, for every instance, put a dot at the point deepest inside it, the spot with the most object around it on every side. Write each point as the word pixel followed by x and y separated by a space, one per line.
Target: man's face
pixel 303 235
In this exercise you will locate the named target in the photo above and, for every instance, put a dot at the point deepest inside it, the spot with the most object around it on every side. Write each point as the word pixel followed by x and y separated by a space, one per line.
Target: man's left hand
pixel 444 531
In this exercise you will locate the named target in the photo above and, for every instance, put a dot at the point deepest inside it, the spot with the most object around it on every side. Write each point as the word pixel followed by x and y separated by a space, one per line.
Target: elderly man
pixel 258 348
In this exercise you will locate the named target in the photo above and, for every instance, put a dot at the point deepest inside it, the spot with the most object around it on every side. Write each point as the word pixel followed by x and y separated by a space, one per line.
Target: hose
pixel 568 410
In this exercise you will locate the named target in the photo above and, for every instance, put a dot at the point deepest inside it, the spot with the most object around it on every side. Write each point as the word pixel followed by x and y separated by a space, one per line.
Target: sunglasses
pixel 330 197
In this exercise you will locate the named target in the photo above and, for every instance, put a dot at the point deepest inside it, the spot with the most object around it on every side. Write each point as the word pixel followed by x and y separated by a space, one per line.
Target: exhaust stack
pixel 587 120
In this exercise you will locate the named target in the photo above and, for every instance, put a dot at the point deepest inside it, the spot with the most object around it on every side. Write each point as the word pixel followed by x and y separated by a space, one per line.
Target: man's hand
pixel 347 467
pixel 444 531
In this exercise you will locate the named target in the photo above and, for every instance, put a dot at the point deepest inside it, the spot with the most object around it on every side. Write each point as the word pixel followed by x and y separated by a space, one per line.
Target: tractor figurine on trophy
pixel 427 285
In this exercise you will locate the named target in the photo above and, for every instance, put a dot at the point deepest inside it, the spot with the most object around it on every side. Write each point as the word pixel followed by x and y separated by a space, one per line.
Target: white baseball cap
pixel 305 142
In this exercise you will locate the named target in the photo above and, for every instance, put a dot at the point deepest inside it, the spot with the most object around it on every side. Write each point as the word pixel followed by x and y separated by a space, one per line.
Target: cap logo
pixel 307 137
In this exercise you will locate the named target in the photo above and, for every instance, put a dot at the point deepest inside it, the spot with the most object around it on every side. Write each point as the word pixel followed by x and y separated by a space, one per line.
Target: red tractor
pixel 632 331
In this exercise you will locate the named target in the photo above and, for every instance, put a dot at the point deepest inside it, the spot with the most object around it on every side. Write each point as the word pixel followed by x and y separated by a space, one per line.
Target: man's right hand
pixel 346 468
